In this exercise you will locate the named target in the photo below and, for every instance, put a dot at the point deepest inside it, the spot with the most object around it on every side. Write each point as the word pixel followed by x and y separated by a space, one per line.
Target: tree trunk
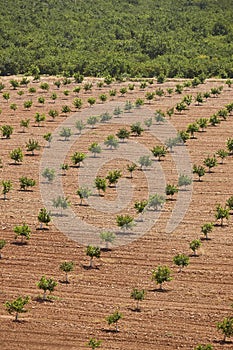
pixel 44 295
pixel 16 316
pixel 117 330
pixel 91 262
pixel 67 281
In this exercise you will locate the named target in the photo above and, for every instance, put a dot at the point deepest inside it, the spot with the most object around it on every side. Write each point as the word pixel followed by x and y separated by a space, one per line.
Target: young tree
pixel 160 275
pixel 41 100
pixel 113 177
pixel 53 97
pixel 171 190
pixel 199 98
pixel 57 83
pixel 22 231
pixel 111 142
pixel 6 96
pixel 46 284
pixel 140 206
pixel 136 129
pixel 179 88
pixel 226 327
pixel 32 145
pixel 83 193
pixel 107 237
pixel 192 128
pixel 2 245
pixel 148 122
pixel 150 96
pixel 123 134
pixel 66 133
pixel 138 295
pixel 49 174
pixel 53 113
pixel 105 117
pixel 64 167
pixel 7 186
pixel 28 104
pixel 17 155
pixel 67 266
pixel 94 344
pixel 128 106
pixel 202 122
pixel 159 152
pixel 95 148
pixel 144 161
pixel 182 136
pixel 92 120
pixel 125 222
pixel 13 106
pixel 222 213
pixel 230 145
pixel 48 137
pixel 103 98
pixel 199 170
pixel 80 126
pixel 77 158
pixel 181 260
pixel 100 184
pixel 171 142
pixel 123 91
pixel 61 202
pixel 26 182
pixel 114 318
pixel 204 347
pixel 117 111
pixel 65 109
pixel 159 116
pixel 7 131
pixel 222 154
pixel 139 102
pixel 229 203
pixel 131 168
pixel 91 101
pixel 180 107
pixel 112 92
pixel 194 245
pixel 24 123
pixel 44 217
pixel 77 102
pixel 206 229
pixel 210 162
pixel 156 201
pixel 44 86
pixel 93 252
pixel 39 118
pixel 214 120
pixel 17 306
pixel 184 180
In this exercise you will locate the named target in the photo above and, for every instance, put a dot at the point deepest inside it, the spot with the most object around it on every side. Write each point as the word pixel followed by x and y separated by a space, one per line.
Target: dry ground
pixel 182 316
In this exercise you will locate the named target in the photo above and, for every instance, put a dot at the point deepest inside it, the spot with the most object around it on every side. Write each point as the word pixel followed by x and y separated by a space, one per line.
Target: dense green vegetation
pixel 148 38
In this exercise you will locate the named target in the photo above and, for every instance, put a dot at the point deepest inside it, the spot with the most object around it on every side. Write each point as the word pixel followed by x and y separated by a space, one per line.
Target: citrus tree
pixel 77 158
pixel 159 152
pixel 32 146
pixel 100 184
pixel 113 177
pixel 222 213
pixel 94 343
pixel 17 155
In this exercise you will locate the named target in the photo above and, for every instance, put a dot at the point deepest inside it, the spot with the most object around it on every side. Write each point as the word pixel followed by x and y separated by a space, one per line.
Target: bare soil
pixel 186 312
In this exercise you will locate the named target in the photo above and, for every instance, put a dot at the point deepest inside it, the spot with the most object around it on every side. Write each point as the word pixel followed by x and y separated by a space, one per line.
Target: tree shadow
pixel 109 331
pixel 223 342
pixel 19 243
pixel 135 309
pixel 88 267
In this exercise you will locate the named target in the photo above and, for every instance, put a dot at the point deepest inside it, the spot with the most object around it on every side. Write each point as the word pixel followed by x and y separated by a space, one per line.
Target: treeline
pixel 137 38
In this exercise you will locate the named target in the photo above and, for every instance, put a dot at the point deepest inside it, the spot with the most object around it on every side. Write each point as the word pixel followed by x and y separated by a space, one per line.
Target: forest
pixel 132 38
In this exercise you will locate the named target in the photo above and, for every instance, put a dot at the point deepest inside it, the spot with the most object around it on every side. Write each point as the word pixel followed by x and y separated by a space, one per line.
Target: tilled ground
pixel 186 312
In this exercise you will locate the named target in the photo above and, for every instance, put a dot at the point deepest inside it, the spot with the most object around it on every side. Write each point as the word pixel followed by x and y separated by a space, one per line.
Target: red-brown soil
pixel 182 316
